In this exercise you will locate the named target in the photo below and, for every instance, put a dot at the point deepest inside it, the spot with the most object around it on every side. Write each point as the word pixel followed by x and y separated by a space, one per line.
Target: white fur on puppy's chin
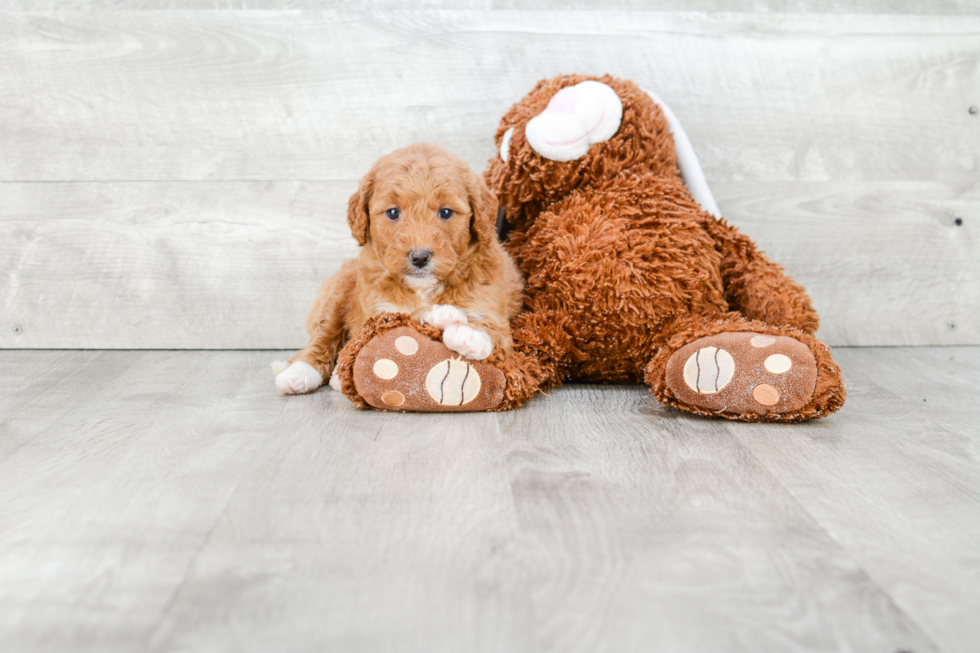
pixel 425 287
pixel 442 315
pixel 421 283
pixel 469 342
pixel 298 378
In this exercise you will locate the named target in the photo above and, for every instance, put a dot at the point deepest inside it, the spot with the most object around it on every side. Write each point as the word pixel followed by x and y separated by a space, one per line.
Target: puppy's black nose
pixel 420 257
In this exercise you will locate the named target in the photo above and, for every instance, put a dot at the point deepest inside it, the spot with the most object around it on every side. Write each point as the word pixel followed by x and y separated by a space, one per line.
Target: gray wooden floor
pixel 171 501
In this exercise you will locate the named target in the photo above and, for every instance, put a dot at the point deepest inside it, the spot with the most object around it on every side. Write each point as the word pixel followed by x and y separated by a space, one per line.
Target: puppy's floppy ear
pixel 359 210
pixel 483 204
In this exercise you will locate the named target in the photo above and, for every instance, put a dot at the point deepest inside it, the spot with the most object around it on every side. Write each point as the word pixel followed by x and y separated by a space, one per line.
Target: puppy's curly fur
pixel 429 249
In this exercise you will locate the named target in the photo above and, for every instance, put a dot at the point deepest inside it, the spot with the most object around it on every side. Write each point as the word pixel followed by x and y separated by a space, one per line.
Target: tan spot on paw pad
pixel 766 395
pixel 762 341
pixel 777 363
pixel 393 398
pixel 406 345
pixel 386 369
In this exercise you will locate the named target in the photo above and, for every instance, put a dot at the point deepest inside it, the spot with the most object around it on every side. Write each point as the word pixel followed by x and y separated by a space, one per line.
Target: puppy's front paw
pixel 443 315
pixel 297 379
pixel 467 341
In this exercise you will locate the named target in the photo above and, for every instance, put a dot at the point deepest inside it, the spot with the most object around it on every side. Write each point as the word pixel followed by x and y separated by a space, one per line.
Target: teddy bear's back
pixel 622 259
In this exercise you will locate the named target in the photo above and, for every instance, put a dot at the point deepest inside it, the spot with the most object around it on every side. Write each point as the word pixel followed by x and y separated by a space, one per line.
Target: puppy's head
pixel 422 209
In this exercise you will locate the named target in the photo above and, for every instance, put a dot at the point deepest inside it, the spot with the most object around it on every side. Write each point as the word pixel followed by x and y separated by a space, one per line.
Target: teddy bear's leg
pixel 755 286
pixel 394 363
pixel 746 370
pixel 546 339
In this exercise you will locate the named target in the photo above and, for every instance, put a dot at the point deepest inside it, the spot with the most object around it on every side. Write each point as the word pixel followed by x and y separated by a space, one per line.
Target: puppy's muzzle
pixel 420 257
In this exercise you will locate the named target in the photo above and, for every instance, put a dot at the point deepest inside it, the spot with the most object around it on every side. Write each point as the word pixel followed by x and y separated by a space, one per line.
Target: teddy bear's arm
pixel 757 287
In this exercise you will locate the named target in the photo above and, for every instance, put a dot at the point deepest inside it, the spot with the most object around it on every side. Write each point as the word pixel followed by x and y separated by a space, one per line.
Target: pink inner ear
pixel 564 100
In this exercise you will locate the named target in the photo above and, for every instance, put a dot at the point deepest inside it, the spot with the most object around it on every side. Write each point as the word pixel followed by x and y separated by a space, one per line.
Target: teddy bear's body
pixel 627 278
pixel 605 264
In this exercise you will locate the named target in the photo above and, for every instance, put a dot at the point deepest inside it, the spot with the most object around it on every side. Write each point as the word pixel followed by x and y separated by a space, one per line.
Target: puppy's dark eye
pixel 393 214
pixel 445 214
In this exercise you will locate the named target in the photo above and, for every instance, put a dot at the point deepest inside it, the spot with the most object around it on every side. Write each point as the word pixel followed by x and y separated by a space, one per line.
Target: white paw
pixel 298 378
pixel 467 341
pixel 335 380
pixel 279 366
pixel 443 315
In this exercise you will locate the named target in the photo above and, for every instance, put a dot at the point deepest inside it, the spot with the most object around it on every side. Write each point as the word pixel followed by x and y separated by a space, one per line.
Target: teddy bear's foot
pixel 743 374
pixel 401 369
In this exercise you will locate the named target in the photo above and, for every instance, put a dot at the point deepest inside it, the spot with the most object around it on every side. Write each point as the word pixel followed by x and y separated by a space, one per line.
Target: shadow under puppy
pixel 429 249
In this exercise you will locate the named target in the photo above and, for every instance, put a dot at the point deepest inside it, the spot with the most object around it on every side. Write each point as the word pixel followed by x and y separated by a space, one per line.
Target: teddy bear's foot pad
pixel 743 372
pixel 403 370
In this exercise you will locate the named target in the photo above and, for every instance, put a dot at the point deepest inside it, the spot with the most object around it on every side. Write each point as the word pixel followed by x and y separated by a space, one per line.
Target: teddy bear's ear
pixel 483 204
pixel 576 118
pixel 359 210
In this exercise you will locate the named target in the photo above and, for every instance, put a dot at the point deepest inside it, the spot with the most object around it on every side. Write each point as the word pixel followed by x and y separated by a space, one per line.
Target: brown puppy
pixel 426 224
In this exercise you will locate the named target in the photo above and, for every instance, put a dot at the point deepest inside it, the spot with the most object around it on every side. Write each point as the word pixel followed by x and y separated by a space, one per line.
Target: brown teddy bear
pixel 627 280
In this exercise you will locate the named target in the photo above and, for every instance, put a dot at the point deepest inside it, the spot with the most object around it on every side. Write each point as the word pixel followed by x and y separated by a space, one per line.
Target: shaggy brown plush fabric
pixel 623 269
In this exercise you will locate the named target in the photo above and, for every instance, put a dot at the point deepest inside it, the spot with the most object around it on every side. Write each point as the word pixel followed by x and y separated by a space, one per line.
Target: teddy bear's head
pixel 570 131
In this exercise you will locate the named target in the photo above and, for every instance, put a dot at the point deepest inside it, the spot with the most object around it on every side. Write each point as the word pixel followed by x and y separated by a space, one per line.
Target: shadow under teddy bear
pixel 627 280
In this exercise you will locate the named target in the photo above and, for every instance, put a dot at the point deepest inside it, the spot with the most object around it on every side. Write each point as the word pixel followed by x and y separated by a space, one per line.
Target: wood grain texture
pixel 886 264
pixel 223 265
pixel 649 530
pixel 46 389
pixel 177 179
pixel 103 507
pixel 397 530
pixel 319 95
pixel 182 505
pixel 915 7
pixel 167 265
pixel 897 481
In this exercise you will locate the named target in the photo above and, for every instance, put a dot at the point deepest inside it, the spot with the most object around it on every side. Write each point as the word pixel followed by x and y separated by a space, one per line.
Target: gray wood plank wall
pixel 177 178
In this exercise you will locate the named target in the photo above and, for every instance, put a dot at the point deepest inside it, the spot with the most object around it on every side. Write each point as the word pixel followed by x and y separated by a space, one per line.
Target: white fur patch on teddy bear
pixel 576 118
